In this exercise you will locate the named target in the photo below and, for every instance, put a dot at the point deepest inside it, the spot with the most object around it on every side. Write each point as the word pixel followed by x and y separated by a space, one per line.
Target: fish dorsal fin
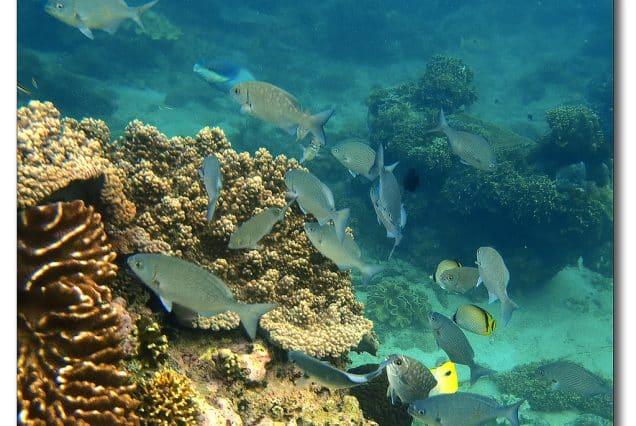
pixel 492 297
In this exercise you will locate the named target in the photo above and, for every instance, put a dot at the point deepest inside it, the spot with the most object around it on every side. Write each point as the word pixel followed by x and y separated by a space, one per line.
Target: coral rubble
pixel 69 330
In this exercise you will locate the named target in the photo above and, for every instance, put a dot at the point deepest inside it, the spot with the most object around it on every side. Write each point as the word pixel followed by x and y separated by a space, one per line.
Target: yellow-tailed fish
pixel 475 319
pixel 495 276
pixel 473 150
pixel 442 266
pixel 447 380
pixel 276 106
pixel 87 15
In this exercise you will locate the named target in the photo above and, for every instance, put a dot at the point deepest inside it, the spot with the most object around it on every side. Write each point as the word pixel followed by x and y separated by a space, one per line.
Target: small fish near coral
pixel 409 379
pixel 88 15
pixel 256 228
pixel 568 376
pixel 447 379
pixel 495 276
pixel 324 374
pixel 475 319
pixel 357 156
pixel 212 177
pixel 180 283
pixel 442 266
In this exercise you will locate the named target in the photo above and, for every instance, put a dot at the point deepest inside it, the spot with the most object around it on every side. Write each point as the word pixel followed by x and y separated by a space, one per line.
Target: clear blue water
pixel 527 58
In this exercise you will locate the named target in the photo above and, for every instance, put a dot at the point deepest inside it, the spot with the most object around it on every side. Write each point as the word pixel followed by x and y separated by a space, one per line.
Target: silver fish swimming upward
pixel 387 201
pixel 473 150
pixel 323 373
pixel 452 340
pixel 212 177
pixel 345 254
pixel 495 276
pixel 316 198
pixel 255 228
pixel 87 15
pixel 189 286
pixel 463 409
pixel 276 106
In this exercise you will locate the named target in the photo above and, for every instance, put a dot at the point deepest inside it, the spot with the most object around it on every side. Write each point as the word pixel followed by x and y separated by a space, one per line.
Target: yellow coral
pixel 167 398
pixel 318 311
pixel 52 152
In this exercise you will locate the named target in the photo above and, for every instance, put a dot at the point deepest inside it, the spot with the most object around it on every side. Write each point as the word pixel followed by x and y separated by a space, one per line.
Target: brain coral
pixel 318 312
pixel 69 330
pixel 53 152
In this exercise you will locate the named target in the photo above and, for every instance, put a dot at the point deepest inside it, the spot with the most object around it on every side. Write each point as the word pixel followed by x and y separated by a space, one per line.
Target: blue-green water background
pixel 527 57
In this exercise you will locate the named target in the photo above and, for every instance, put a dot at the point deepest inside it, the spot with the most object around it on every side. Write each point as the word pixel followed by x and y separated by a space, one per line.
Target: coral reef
pixel 318 312
pixel 447 83
pixel 575 130
pixel 394 304
pixel 523 382
pixel 167 398
pixel 55 153
pixel 69 329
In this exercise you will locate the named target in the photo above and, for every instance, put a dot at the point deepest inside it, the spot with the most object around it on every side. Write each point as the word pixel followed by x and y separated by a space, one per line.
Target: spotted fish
pixel 409 379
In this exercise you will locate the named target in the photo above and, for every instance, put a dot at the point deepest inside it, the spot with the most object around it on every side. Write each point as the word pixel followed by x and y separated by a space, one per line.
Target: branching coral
pixel 70 332
pixel 396 305
pixel 167 398
pixel 576 129
pixel 152 345
pixel 447 83
pixel 165 185
pixel 523 382
pixel 53 152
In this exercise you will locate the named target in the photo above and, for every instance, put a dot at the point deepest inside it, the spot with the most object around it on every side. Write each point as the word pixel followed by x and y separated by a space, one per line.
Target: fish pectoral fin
pixel 166 303
pixel 461 160
pixel 86 31
pixel 246 109
pixel 492 297
pixel 479 281
pixel 352 173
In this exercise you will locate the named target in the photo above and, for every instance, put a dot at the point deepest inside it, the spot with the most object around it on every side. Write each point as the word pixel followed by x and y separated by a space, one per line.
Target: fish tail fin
pixel 138 11
pixel 315 125
pixel 511 412
pixel 507 308
pixel 340 219
pixel 251 314
pixel 477 371
pixel 397 241
pixel 370 271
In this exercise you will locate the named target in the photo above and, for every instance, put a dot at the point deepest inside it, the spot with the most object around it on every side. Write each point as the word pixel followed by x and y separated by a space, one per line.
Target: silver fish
pixel 212 177
pixel 459 280
pixel 409 379
pixel 356 156
pixel 568 376
pixel 189 286
pixel 345 254
pixel 495 276
pixel 276 106
pixel 316 198
pixel 321 372
pixel 473 150
pixel 387 201
pixel 452 340
pixel 87 15
pixel 462 409
pixel 255 228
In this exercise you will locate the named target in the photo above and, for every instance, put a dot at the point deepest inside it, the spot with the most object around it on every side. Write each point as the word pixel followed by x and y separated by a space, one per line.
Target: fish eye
pixel 138 263
pixel 398 362
pixel 448 373
pixel 421 412
pixel 59 6
pixel 237 90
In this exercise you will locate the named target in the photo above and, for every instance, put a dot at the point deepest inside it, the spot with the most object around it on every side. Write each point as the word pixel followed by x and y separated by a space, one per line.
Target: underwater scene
pixel 273 212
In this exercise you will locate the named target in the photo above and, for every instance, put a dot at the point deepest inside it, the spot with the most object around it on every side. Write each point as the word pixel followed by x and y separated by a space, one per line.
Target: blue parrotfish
pixel 222 75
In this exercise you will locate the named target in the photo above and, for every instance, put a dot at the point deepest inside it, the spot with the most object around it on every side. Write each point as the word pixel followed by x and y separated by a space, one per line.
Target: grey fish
pixel 212 177
pixel 255 228
pixel 276 106
pixel 459 280
pixel 190 286
pixel 87 15
pixel 495 276
pixel 462 409
pixel 323 373
pixel 316 198
pixel 452 340
pixel 568 376
pixel 345 254
pixel 387 200
pixel 473 150
pixel 409 379
pixel 356 156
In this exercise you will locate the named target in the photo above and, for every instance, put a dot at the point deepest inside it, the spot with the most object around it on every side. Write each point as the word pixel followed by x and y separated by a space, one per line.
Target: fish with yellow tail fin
pixel 475 319
pixel 447 380
pixel 87 15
